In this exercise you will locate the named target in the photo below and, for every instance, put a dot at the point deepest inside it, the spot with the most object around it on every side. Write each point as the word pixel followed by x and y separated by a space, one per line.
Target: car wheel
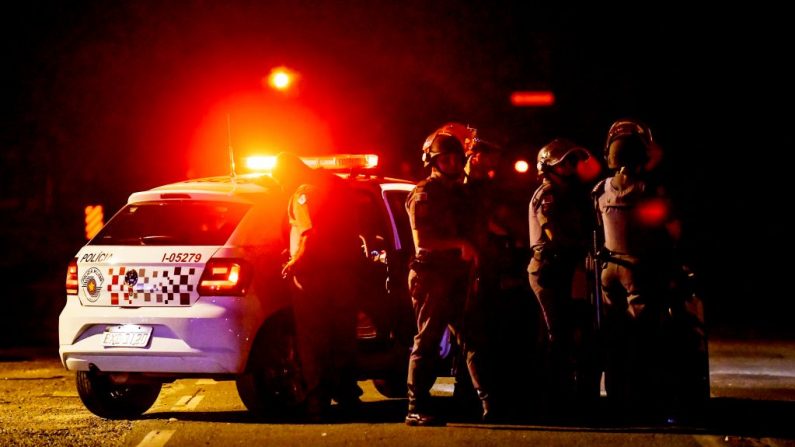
pixel 115 401
pixel 392 387
pixel 393 384
pixel 272 384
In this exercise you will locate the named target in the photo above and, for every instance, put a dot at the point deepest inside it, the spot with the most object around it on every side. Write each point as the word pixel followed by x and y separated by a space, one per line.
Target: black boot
pixel 488 416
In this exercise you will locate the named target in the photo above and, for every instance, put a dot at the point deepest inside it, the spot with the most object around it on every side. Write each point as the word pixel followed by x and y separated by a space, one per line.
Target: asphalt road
pixel 753 404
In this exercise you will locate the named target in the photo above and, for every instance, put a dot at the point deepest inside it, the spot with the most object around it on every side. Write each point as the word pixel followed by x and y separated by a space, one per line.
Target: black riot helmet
pixel 290 171
pixel 556 151
pixel 628 144
pixel 442 143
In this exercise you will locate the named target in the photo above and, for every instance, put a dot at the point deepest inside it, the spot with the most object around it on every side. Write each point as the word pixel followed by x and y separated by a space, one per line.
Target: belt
pixel 542 255
pixel 423 254
pixel 436 259
pixel 621 259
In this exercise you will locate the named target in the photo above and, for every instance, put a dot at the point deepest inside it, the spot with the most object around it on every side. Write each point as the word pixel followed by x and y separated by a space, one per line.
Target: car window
pixel 369 215
pixel 172 222
pixel 397 205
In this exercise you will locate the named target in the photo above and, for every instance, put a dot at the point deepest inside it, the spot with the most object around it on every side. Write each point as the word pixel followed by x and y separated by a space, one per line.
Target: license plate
pixel 127 335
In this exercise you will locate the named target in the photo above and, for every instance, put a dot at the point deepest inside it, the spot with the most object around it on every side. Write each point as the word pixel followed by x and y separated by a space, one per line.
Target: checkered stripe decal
pixel 155 286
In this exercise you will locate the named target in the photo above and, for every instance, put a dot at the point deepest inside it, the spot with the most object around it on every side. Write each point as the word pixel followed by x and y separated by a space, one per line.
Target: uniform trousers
pixel 324 305
pixel 439 296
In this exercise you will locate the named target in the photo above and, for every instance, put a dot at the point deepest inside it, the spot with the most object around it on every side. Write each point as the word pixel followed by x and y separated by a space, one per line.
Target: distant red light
pixel 281 78
pixel 589 169
pixel 521 166
pixel 541 98
pixel 652 212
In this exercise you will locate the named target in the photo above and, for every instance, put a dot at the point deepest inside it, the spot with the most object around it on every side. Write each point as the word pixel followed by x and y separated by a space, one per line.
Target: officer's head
pixel 466 136
pixel 629 152
pixel 290 171
pixel 445 154
pixel 482 160
pixel 563 158
pixel 628 144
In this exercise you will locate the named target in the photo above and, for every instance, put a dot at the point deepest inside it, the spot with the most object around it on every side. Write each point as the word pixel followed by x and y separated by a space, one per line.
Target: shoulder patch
pixel 597 190
pixel 540 195
pixel 419 197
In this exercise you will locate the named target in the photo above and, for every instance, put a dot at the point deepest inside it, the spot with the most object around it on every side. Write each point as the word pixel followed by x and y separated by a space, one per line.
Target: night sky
pixel 103 98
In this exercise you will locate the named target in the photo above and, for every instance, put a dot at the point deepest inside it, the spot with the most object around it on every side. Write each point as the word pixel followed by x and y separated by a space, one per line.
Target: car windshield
pixel 172 222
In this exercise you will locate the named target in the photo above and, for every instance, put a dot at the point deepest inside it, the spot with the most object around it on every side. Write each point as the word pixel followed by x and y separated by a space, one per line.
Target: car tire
pixel 115 401
pixel 393 383
pixel 393 387
pixel 272 384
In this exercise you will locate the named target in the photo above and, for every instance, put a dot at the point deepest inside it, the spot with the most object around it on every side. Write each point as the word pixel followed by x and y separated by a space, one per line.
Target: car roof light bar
pixel 338 162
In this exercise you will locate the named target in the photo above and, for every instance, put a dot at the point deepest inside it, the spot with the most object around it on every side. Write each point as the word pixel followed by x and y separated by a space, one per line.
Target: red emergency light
pixel 281 78
pixel 266 163
pixel 541 98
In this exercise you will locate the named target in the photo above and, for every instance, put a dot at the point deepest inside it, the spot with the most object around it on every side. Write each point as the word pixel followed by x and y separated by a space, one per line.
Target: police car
pixel 184 281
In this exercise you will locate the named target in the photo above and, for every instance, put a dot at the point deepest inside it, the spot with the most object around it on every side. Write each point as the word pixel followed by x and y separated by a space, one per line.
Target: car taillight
pixel 71 277
pixel 224 277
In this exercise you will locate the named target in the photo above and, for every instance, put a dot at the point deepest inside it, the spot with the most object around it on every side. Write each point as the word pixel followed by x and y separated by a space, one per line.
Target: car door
pixel 383 297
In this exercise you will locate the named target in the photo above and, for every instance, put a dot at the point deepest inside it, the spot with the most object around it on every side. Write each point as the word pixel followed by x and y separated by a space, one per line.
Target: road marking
pixel 182 401
pixel 717 441
pixel 194 403
pixel 188 402
pixel 444 388
pixel 156 438
pixel 447 388
pixel 65 394
pixel 752 372
pixel 172 388
pixel 708 441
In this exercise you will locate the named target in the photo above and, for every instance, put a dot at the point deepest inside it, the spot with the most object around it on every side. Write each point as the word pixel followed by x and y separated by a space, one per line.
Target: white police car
pixel 184 281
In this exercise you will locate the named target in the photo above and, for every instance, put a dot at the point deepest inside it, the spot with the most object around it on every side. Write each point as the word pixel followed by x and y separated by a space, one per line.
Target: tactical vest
pixel 625 232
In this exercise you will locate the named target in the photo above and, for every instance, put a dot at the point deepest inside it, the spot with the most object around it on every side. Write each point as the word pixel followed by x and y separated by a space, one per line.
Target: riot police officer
pixel 503 296
pixel 441 275
pixel 639 231
pixel 325 255
pixel 560 224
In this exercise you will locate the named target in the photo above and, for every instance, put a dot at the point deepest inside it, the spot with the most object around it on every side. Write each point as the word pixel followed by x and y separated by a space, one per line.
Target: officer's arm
pixel 288 268
pixel 539 210
pixel 550 222
pixel 301 220
pixel 544 205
